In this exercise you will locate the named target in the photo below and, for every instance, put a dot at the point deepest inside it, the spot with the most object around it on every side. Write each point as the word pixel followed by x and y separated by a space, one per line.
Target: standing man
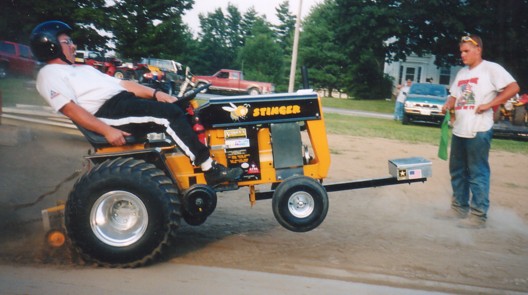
pixel 111 107
pixel 400 100
pixel 477 88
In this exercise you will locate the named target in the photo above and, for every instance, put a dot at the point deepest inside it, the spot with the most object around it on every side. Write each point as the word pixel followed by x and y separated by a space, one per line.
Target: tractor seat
pixel 99 141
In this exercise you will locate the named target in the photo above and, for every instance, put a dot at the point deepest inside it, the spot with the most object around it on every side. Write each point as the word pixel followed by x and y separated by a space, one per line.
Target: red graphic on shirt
pixel 465 82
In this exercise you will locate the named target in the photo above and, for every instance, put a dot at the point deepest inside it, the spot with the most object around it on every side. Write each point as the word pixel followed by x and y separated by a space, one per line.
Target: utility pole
pixel 295 48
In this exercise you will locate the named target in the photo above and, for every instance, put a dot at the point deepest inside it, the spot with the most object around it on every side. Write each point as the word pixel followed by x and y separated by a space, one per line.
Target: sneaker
pixel 219 173
pixel 473 221
pixel 450 214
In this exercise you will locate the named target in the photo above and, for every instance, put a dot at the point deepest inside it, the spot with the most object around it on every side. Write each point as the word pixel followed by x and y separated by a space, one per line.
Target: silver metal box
pixel 410 168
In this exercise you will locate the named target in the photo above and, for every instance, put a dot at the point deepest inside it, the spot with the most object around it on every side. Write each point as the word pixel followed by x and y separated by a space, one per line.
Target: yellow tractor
pixel 128 205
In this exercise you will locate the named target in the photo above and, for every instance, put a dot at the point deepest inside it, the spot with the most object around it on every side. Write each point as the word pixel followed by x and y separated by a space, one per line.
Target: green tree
pixel 148 28
pixel 18 18
pixel 215 47
pixel 235 35
pixel 284 30
pixel 261 57
pixel 319 51
pixel 364 27
pixel 248 21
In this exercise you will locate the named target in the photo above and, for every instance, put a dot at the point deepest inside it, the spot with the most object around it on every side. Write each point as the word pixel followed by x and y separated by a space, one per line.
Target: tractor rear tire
pixel 122 213
pixel 300 203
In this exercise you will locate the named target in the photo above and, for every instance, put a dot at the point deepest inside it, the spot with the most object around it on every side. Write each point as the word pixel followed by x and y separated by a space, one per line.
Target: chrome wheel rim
pixel 301 204
pixel 119 218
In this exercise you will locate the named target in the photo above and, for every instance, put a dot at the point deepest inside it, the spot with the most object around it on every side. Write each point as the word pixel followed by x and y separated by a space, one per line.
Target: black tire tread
pixel 103 173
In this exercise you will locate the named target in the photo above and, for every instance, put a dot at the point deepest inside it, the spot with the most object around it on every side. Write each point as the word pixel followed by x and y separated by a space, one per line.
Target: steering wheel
pixel 191 93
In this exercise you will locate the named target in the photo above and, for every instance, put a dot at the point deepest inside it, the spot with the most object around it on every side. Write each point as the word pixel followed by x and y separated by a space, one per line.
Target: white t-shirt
pixel 473 87
pixel 402 95
pixel 89 88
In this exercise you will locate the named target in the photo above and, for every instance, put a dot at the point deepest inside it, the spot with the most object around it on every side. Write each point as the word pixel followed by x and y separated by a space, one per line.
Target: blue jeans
pixel 398 111
pixel 470 172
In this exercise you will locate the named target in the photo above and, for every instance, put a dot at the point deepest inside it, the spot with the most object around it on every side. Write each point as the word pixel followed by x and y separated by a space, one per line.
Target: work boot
pixel 473 221
pixel 450 214
pixel 219 173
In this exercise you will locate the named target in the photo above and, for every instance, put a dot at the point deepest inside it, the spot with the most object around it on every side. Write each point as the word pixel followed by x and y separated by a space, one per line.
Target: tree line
pixel 344 44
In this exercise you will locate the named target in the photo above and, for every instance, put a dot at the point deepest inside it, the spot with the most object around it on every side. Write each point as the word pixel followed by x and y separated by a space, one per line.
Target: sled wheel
pixel 122 213
pixel 300 203
pixel 519 116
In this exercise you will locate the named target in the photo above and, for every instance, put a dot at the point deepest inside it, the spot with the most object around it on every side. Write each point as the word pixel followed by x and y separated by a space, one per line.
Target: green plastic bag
pixel 444 137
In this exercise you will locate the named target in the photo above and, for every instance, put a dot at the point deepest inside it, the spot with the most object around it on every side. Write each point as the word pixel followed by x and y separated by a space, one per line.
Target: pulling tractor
pixel 125 209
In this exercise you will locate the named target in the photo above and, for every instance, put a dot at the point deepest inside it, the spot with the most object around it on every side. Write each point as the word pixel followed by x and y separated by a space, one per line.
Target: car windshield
pixel 428 89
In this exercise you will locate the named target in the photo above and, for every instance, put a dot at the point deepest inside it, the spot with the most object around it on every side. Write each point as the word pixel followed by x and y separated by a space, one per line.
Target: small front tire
pixel 300 203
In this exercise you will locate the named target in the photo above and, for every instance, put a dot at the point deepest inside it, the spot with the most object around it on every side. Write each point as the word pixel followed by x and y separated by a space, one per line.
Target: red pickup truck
pixel 232 81
pixel 16 58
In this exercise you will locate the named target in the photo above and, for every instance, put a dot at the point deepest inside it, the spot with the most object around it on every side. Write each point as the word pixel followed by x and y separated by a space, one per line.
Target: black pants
pixel 132 114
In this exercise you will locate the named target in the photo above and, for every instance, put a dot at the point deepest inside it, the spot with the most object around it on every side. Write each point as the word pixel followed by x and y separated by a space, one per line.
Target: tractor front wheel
pixel 300 203
pixel 122 213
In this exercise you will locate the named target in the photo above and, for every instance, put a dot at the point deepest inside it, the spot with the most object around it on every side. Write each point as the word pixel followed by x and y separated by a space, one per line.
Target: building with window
pixel 420 70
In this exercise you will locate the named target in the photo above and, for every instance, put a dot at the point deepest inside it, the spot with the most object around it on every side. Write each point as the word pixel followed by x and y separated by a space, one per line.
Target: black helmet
pixel 43 39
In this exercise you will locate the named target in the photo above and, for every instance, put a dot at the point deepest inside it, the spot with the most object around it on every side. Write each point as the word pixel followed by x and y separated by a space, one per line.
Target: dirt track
pixel 369 235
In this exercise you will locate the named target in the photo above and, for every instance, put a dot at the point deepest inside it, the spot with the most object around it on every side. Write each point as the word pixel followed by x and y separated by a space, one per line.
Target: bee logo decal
pixel 237 113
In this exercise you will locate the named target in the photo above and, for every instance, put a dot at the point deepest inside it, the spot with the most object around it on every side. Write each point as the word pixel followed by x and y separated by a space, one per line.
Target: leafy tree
pixel 261 57
pixel 222 37
pixel 248 21
pixel 18 18
pixel 148 28
pixel 215 51
pixel 320 52
pixel 438 33
pixel 234 28
pixel 363 28
pixel 284 30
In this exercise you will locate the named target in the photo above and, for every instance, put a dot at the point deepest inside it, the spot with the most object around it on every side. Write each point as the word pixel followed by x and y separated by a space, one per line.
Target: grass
pixel 378 106
pixel 370 127
pixel 23 92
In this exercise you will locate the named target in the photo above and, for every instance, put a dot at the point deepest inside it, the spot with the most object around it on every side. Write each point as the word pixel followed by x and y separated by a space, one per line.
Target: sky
pixel 266 7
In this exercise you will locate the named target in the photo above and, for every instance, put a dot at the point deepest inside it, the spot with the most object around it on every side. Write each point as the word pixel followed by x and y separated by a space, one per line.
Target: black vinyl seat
pixel 99 141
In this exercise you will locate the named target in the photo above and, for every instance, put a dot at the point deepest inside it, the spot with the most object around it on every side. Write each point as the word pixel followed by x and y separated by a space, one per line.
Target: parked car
pixel 16 59
pixel 232 81
pixel 424 103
